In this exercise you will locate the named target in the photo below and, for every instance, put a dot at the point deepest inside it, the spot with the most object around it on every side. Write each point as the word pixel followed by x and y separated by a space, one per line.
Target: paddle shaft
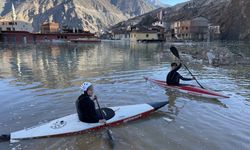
pixel 192 75
pixel 99 109
pixel 108 130
pixel 176 54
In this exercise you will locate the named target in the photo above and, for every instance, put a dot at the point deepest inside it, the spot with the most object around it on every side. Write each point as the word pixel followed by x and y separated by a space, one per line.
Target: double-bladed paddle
pixel 176 54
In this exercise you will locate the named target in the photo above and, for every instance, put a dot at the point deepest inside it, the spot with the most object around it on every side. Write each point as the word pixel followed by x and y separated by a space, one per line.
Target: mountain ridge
pixel 92 15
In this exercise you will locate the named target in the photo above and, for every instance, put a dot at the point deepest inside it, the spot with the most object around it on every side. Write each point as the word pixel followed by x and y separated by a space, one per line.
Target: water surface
pixel 39 83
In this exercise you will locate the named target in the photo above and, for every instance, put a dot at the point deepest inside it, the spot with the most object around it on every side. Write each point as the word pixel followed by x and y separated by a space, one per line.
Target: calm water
pixel 39 83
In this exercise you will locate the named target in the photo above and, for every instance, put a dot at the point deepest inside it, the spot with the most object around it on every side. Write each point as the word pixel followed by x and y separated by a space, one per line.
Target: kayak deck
pixel 188 89
pixel 71 125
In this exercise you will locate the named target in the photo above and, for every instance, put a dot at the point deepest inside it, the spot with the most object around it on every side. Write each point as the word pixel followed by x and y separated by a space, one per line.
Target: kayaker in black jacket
pixel 85 105
pixel 173 77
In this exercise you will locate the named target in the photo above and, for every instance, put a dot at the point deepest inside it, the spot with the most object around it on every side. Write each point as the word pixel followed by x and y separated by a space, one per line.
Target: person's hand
pixel 94 98
pixel 103 121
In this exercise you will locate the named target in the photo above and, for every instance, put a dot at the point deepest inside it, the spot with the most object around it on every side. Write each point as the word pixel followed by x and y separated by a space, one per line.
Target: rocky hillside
pixel 132 8
pixel 157 3
pixel 232 15
pixel 93 15
pixel 236 23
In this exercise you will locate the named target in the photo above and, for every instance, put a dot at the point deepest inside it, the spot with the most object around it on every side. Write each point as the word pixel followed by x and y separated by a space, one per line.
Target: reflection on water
pixel 39 83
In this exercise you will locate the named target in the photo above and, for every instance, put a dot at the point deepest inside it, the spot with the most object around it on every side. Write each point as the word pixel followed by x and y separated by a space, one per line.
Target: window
pixel 186 28
pixel 147 35
pixel 8 29
pixel 13 29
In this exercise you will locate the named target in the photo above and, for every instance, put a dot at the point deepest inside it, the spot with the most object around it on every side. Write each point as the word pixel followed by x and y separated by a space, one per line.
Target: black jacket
pixel 86 109
pixel 173 77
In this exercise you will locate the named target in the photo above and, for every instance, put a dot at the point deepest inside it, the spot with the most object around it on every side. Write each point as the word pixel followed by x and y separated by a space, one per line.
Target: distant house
pixel 214 32
pixel 106 35
pixel 120 35
pixel 195 29
pixel 15 25
pixel 199 28
pixel 151 34
pixel 50 27
pixel 159 21
pixel 181 29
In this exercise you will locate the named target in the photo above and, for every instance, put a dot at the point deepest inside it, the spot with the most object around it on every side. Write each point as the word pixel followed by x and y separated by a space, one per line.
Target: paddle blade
pixel 174 51
pixel 110 135
pixel 4 138
pixel 111 139
pixel 146 78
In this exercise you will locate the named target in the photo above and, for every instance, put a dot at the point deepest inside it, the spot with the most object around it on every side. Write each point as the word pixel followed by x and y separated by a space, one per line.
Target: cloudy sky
pixel 173 2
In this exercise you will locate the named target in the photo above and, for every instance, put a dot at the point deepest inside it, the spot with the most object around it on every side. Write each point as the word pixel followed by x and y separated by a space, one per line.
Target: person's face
pixel 173 67
pixel 90 91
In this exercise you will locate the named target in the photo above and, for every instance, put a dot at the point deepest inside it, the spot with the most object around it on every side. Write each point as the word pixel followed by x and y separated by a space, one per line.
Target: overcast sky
pixel 172 2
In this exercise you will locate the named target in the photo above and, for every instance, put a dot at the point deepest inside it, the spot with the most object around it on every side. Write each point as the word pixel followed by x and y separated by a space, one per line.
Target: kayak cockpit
pixel 107 113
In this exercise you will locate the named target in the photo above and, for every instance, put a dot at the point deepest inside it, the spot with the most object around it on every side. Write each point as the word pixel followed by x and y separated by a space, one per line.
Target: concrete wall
pixel 121 36
pixel 17 37
pixel 26 37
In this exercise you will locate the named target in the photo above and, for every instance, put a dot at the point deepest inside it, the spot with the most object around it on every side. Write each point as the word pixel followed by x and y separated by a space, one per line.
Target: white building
pixel 214 29
pixel 18 25
pixel 160 21
pixel 14 24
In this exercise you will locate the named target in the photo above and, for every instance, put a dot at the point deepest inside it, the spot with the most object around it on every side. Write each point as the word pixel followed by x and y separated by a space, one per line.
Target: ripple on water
pixel 41 83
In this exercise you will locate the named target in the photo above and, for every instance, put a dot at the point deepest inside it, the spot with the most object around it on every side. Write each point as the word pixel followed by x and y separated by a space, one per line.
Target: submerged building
pixel 147 34
pixel 199 28
pixel 195 29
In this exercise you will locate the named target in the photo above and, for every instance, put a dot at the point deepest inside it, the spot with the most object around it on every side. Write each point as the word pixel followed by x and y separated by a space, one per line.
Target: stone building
pixel 195 29
pixel 181 29
pixel 150 34
pixel 50 27
pixel 120 35
pixel 199 28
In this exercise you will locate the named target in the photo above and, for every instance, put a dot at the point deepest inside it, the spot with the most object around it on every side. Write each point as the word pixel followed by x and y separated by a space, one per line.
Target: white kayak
pixel 71 125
